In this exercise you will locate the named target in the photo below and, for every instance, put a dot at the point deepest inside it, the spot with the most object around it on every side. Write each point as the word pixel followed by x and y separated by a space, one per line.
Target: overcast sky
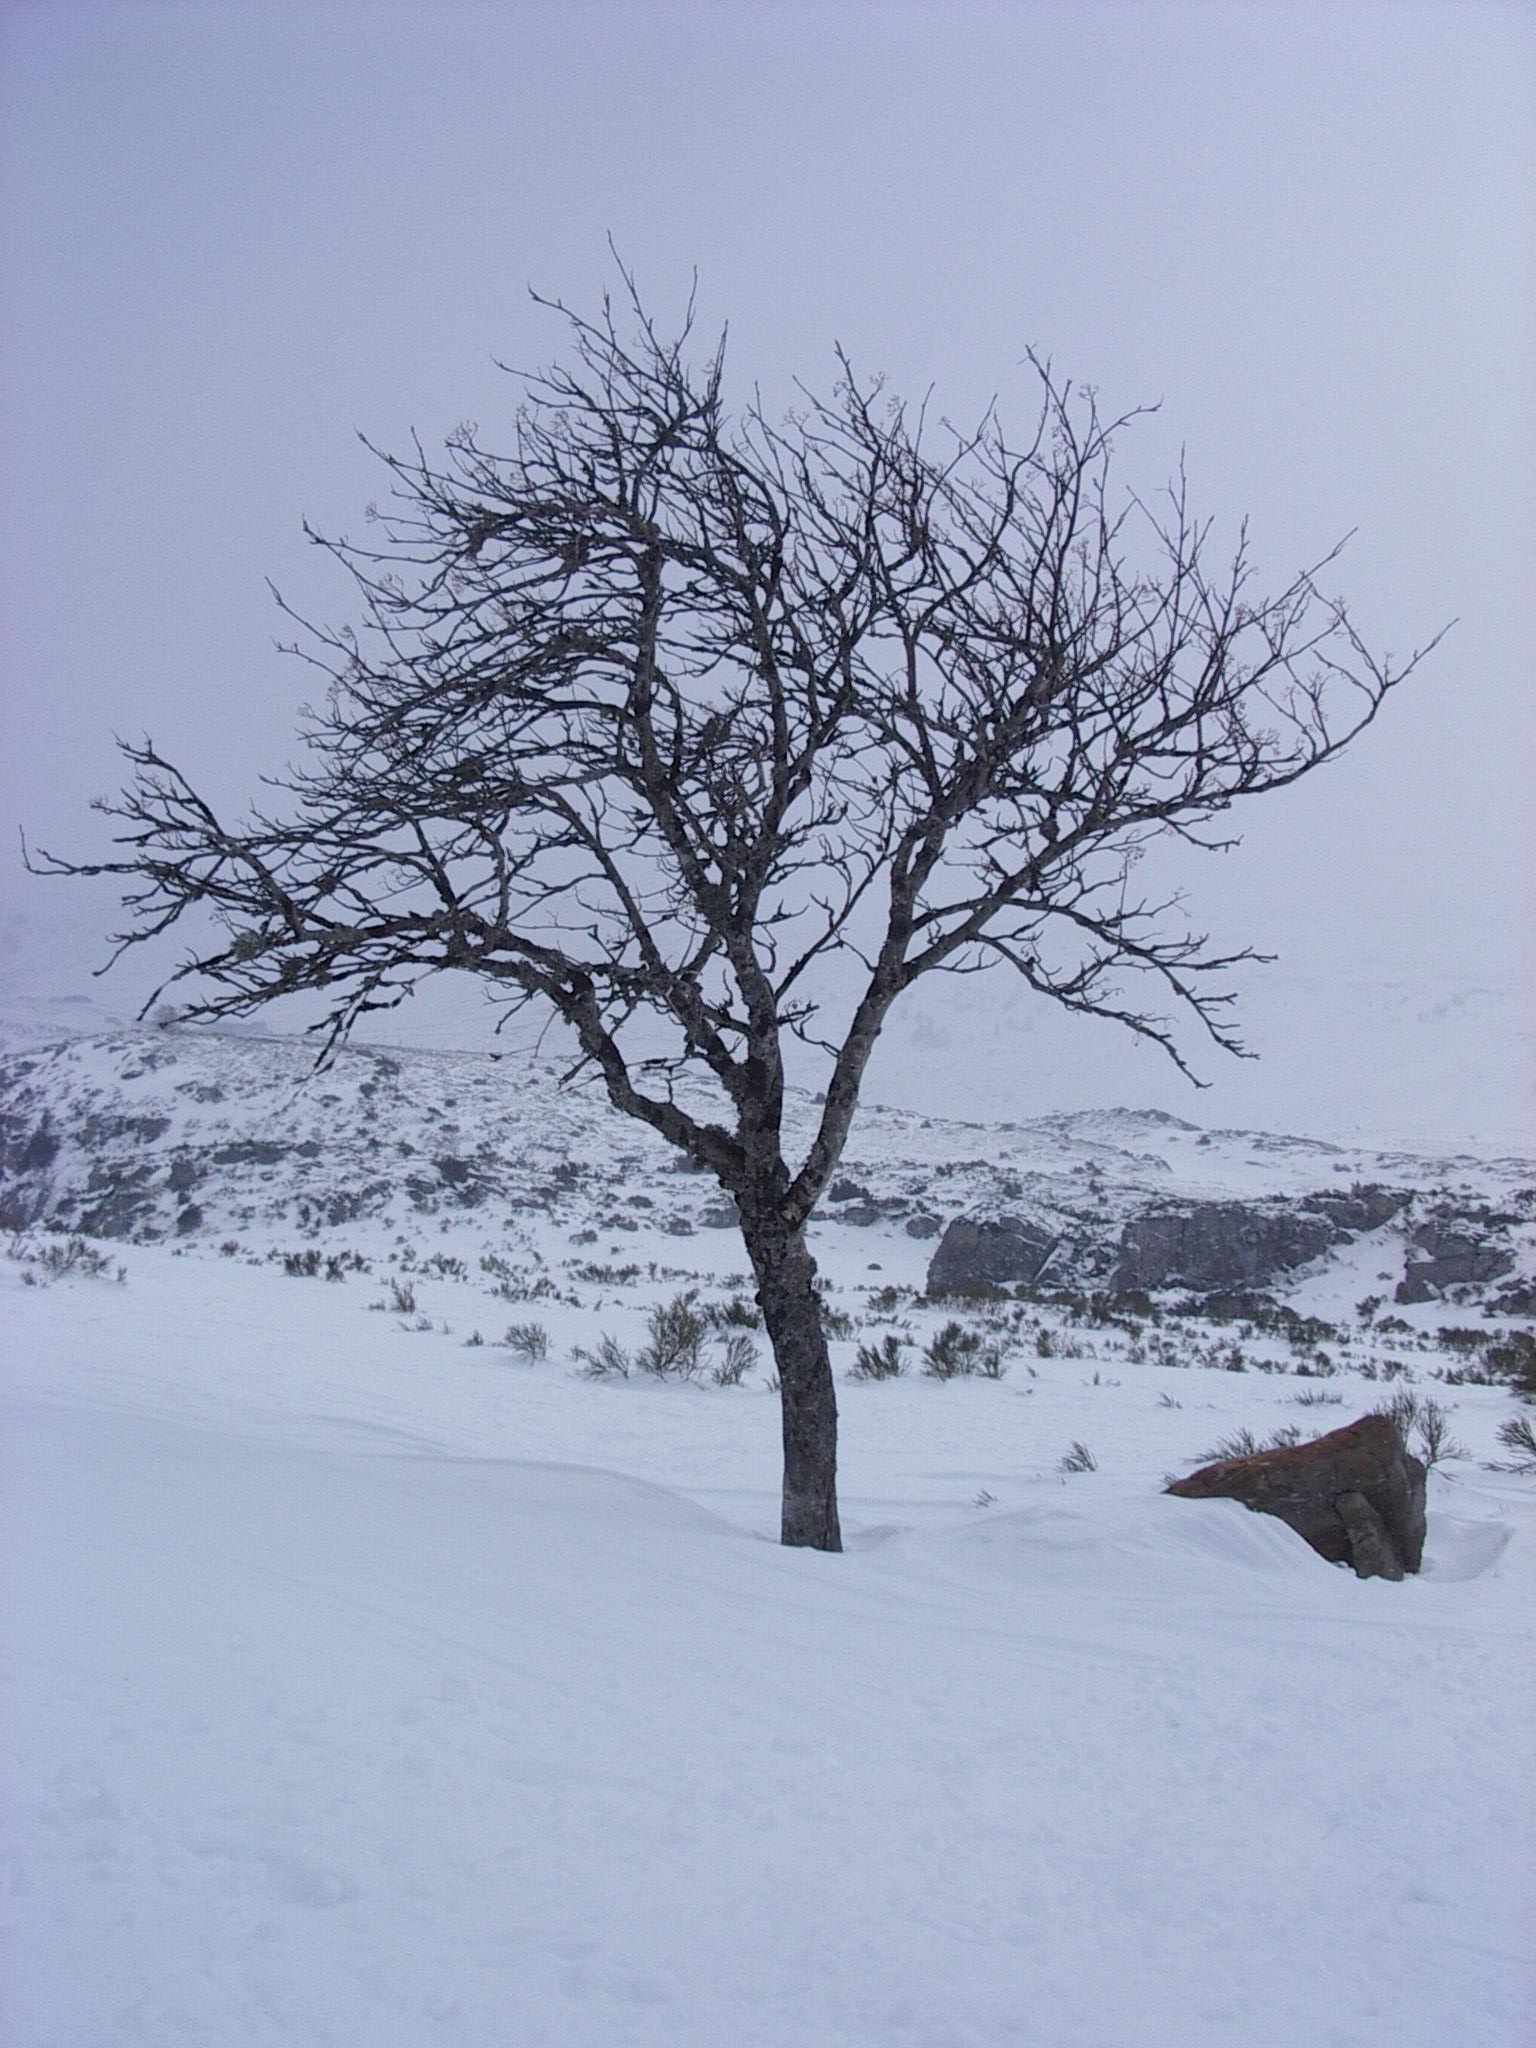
pixel 234 234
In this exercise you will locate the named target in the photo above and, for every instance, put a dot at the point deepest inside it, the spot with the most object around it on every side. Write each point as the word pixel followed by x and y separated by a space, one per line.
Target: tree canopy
pixel 655 711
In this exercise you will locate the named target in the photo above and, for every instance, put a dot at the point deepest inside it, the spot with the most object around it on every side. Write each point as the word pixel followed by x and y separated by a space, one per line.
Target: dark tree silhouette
pixel 655 711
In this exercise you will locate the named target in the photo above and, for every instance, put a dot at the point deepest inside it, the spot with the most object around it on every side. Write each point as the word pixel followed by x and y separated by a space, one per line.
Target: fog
pixel 235 236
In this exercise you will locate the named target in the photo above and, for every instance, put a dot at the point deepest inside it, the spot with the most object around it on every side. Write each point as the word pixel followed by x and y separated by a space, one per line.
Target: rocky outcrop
pixel 1450 1254
pixel 1000 1252
pixel 1219 1245
pixel 25 1148
pixel 119 1202
pixel 1365 1207
pixel 1356 1495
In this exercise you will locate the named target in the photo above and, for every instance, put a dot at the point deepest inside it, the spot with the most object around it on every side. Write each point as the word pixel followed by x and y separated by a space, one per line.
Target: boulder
pixel 1356 1494
pixel 1517 1299
pixel 1211 1245
pixel 1450 1256
pixel 1000 1252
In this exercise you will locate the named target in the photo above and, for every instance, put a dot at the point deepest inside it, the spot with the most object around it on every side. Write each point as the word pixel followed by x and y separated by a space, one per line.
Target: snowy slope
pixel 207 1135
pixel 330 1728
pixel 1385 1052
pixel 365 1682
pixel 1380 1047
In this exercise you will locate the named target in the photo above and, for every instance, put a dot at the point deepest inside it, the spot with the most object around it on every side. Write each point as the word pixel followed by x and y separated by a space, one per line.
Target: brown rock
pixel 1356 1495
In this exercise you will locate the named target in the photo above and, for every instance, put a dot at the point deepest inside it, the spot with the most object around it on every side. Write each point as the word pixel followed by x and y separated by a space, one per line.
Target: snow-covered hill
pixel 1381 1047
pixel 147 1133
pixel 374 1671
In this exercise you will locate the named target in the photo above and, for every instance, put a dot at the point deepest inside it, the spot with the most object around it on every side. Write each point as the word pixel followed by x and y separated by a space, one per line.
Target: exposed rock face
pixel 1219 1245
pixel 997 1253
pixel 871 1209
pixel 252 1152
pixel 1363 1208
pixel 1450 1256
pixel 24 1149
pixel 1356 1495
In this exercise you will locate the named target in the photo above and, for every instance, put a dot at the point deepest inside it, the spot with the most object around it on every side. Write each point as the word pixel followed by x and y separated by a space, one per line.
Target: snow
pixel 1388 1047
pixel 364 1687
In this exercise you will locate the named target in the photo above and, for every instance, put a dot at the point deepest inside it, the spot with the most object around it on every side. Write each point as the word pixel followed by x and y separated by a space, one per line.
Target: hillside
pixel 389 1656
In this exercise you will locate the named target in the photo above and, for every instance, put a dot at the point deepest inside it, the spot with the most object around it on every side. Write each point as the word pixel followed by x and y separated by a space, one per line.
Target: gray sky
pixel 233 234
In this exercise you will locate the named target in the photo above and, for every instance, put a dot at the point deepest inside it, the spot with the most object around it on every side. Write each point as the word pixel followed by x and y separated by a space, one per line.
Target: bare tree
pixel 658 710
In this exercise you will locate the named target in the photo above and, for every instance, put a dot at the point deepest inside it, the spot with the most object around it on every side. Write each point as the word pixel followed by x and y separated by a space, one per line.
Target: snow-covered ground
pixel 362 1686
pixel 367 1684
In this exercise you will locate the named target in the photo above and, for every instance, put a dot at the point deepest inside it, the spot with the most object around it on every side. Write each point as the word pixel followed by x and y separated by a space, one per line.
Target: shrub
pixel 736 1313
pixel 1452 1338
pixel 952 1352
pixel 1424 1426
pixel 529 1341
pixel 515 1283
pixel 1513 1360
pixel 879 1362
pixel 1242 1443
pixel 676 1332
pixel 737 1356
pixel 1434 1437
pixel 71 1258
pixel 1519 1435
pixel 608 1361
pixel 975 1291
pixel 957 1351
pixel 837 1322
pixel 1402 1410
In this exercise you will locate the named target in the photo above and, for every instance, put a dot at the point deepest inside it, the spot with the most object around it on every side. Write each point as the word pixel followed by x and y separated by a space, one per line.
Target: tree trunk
pixel 786 1293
